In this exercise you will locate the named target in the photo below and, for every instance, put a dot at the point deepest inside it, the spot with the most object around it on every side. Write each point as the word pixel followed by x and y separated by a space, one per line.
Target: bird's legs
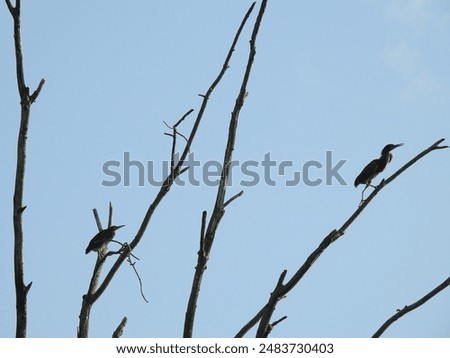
pixel 362 194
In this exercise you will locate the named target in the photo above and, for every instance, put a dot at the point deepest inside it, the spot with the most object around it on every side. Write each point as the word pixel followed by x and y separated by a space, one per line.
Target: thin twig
pixel 174 138
pixel 123 247
pixel 272 326
pixel 132 264
pixel 183 170
pixel 35 94
pixel 234 197
pixel 202 234
pixel 183 118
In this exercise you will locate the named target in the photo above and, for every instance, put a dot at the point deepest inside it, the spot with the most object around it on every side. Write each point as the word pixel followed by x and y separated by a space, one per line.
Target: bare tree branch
pixel 18 208
pixel 264 315
pixel 234 197
pixel 97 219
pixel 110 215
pixel 219 207
pixel 272 326
pixel 35 94
pixel 201 265
pixel 202 234
pixel 264 326
pixel 401 312
pixel 119 330
pixel 11 8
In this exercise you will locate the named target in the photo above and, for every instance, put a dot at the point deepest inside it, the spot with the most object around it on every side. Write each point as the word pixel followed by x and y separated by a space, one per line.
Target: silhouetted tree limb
pixel 233 198
pixel 272 325
pixel 207 239
pixel 401 312
pixel 26 100
pixel 119 330
pixel 97 218
pixel 281 290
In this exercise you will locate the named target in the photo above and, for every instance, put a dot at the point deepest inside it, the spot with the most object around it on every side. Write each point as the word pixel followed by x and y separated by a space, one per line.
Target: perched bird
pixel 375 167
pixel 102 238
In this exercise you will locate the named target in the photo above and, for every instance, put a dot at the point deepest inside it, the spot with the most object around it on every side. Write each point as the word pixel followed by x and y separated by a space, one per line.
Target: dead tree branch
pixel 281 290
pixel 18 208
pixel 401 312
pixel 207 239
pixel 233 198
pixel 119 330
pixel 272 325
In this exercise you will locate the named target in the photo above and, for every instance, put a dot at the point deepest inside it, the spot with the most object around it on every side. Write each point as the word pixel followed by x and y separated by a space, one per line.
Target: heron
pixel 102 238
pixel 375 167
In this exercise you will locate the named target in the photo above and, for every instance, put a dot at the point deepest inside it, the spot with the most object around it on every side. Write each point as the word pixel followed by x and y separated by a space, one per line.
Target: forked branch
pixel 174 138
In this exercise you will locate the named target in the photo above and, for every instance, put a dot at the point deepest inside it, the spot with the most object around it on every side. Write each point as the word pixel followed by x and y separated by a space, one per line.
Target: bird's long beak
pixel 119 226
pixel 398 145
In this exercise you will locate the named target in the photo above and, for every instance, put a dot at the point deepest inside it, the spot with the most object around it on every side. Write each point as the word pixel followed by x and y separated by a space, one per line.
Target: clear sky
pixel 342 76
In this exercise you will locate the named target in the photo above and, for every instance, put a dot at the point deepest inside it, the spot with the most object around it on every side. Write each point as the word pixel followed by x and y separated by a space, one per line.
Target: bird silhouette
pixel 102 238
pixel 375 167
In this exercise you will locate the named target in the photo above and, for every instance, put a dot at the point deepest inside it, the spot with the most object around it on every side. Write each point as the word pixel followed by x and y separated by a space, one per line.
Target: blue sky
pixel 340 76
